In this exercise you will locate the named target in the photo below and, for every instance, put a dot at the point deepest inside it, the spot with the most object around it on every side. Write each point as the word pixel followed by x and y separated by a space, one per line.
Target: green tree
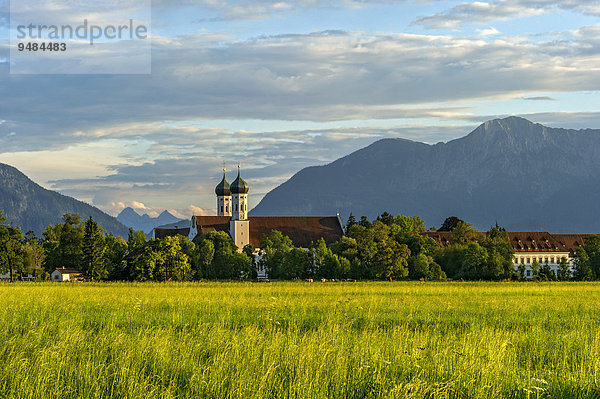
pixel 11 249
pixel 474 262
pixel 114 258
pixel 418 267
pixel 583 270
pixel 521 271
pixel 50 243
pixel 351 222
pixel 450 223
pixel 386 218
pixel 234 266
pixel 592 249
pixel 296 264
pixel 536 269
pixel 546 273
pixel 410 224
pixel 175 263
pixel 451 259
pixel 93 262
pixel 145 264
pixel 206 254
pixel 33 258
pixel 463 232
pixel 136 240
pixel 564 271
pixel 364 222
pixel 274 246
pixel 70 240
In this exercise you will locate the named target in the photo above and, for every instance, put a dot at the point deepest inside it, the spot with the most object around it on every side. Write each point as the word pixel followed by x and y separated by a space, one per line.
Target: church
pixel 232 218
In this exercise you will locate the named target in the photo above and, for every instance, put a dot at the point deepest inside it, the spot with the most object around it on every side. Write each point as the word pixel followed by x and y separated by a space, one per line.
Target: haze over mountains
pixel 28 206
pixel 130 218
pixel 524 175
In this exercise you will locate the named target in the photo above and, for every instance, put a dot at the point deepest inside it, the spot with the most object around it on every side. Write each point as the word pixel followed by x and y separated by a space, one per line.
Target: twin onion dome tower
pixel 232 218
pixel 232 200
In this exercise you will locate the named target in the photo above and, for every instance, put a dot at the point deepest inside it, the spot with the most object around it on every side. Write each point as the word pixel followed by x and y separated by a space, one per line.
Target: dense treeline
pixel 388 248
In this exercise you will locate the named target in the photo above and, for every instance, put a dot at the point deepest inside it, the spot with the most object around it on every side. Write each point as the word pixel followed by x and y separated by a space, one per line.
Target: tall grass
pixel 300 340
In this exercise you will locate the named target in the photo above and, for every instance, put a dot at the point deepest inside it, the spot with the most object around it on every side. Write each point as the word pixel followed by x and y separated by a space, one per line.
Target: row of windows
pixel 244 207
pixel 523 260
pixel 529 273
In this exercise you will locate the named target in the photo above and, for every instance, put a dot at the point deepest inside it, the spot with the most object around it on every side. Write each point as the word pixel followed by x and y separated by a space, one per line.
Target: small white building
pixel 63 275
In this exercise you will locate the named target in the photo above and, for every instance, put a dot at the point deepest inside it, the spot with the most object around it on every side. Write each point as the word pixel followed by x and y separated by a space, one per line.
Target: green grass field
pixel 342 340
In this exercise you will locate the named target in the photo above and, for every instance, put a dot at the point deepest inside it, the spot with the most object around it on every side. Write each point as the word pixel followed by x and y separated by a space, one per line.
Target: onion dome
pixel 222 188
pixel 239 186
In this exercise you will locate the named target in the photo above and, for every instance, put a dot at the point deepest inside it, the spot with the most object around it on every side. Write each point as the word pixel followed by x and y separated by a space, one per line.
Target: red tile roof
pixel 527 241
pixel 302 230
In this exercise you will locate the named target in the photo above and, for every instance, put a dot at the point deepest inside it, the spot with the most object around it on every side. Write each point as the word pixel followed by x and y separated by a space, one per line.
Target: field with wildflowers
pixel 334 340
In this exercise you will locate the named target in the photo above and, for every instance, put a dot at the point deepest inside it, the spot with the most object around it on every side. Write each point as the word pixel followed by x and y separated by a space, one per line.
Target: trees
pixel 135 240
pixel 351 222
pixel 450 223
pixel 70 238
pixel 162 260
pixel 408 224
pixel 564 271
pixel 463 232
pixel 93 250
pixel 592 250
pixel 296 264
pixel 546 273
pixel 11 249
pixel 114 258
pixel 535 269
pixel 275 246
pixel 34 256
pixel 583 270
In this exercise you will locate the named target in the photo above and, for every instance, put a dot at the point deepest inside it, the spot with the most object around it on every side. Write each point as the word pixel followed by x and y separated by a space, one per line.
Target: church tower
pixel 223 197
pixel 239 193
pixel 239 226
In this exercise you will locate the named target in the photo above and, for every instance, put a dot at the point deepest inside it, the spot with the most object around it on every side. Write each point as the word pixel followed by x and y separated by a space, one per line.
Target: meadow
pixel 300 340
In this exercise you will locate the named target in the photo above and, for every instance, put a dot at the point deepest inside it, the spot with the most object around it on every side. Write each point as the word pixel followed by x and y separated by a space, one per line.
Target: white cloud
pixel 491 31
pixel 481 13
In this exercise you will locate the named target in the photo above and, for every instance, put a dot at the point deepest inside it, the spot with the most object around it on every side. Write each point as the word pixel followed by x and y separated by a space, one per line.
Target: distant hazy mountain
pixel 30 207
pixel 145 223
pixel 525 176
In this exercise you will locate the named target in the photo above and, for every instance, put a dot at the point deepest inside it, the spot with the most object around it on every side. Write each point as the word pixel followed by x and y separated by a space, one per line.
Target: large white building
pixel 532 246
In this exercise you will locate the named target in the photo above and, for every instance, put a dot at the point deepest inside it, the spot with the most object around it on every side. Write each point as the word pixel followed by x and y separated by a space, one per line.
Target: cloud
pixel 319 77
pixel 491 31
pixel 481 13
pixel 540 98
pixel 232 10
pixel 268 159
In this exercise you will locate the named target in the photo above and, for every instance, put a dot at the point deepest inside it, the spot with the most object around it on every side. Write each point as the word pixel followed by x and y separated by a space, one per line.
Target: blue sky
pixel 279 86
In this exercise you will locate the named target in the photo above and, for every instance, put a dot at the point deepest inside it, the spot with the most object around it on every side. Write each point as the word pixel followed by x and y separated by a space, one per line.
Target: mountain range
pixel 28 206
pixel 523 175
pixel 130 218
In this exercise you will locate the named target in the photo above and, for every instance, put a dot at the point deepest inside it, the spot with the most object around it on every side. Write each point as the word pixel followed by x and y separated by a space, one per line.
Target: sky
pixel 281 85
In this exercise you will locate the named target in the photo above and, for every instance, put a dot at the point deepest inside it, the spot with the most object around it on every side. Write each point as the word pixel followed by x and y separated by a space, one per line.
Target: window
pixel 528 260
pixel 221 209
pixel 522 260
pixel 528 273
